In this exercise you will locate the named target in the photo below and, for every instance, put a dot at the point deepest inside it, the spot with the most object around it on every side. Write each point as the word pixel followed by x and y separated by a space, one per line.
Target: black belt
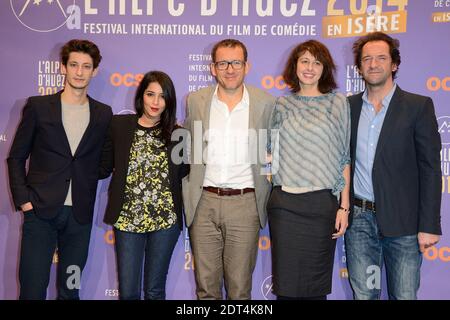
pixel 364 204
pixel 228 191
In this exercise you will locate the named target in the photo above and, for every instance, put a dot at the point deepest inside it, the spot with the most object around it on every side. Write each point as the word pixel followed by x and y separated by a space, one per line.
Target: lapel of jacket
pixel 94 113
pixel 355 114
pixel 205 108
pixel 56 116
pixel 255 110
pixel 127 136
pixel 203 116
pixel 390 121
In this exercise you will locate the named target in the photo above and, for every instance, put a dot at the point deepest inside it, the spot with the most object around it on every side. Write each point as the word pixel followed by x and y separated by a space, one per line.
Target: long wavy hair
pixel 168 116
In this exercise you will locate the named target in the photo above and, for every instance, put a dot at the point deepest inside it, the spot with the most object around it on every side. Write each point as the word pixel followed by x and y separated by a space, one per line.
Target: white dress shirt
pixel 227 162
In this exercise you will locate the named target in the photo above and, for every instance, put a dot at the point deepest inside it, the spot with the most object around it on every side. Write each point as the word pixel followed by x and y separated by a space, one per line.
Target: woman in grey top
pixel 309 204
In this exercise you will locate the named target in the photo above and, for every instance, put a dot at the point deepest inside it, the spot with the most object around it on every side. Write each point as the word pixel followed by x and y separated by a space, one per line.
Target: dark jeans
pixel 40 238
pixel 366 251
pixel 157 247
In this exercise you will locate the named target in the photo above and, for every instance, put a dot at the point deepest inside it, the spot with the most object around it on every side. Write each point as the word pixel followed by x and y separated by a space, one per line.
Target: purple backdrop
pixel 176 36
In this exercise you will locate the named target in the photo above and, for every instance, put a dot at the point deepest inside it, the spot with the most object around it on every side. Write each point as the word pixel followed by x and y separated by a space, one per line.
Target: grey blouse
pixel 310 141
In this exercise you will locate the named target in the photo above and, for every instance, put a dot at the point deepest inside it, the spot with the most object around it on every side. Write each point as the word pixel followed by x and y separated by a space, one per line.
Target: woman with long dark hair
pixel 145 206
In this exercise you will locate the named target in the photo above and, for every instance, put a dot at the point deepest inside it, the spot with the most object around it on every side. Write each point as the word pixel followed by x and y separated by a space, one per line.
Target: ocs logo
pixel 43 15
pixel 444 129
pixel 436 83
pixel 270 82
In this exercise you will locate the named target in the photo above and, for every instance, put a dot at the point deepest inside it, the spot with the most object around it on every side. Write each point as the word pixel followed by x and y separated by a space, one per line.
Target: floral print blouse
pixel 148 203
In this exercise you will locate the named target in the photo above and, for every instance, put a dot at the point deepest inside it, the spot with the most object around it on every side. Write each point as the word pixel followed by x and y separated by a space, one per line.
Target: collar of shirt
pixel 386 100
pixel 244 103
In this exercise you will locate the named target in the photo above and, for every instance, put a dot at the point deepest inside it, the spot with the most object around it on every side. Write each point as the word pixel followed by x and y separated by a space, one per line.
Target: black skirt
pixel 301 227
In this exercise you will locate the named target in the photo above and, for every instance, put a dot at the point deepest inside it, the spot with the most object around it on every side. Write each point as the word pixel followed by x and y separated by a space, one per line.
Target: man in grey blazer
pixel 226 192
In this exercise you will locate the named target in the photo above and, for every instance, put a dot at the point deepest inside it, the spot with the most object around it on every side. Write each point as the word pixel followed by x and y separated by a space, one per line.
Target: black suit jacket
pixel 41 137
pixel 406 174
pixel 116 154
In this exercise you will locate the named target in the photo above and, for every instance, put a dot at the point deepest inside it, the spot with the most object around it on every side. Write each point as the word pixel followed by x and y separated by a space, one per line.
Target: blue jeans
pixel 157 247
pixel 366 251
pixel 40 238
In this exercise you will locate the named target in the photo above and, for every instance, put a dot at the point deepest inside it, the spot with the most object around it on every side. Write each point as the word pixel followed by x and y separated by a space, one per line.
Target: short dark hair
pixel 79 45
pixel 327 83
pixel 168 116
pixel 228 43
pixel 393 44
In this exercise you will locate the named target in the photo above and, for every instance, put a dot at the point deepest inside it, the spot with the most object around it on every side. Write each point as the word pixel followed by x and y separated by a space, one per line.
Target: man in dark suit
pixel 396 176
pixel 62 135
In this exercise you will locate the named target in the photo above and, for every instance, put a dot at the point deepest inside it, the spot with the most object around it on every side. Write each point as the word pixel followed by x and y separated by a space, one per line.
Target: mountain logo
pixel 444 129
pixel 42 15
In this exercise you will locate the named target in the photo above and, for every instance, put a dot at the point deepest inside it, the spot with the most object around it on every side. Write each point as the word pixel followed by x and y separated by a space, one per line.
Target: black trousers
pixel 40 238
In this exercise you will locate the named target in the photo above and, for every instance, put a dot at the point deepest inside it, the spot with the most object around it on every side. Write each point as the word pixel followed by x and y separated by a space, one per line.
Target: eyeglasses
pixel 235 64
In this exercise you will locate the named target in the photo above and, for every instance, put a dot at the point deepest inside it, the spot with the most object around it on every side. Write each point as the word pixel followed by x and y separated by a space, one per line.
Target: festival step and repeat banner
pixel 176 36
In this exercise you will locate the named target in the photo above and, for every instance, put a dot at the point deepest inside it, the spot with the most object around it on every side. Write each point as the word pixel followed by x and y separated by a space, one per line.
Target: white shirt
pixel 227 162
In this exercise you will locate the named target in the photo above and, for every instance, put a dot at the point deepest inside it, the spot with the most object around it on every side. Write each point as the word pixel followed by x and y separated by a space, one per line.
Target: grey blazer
pixel 198 109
